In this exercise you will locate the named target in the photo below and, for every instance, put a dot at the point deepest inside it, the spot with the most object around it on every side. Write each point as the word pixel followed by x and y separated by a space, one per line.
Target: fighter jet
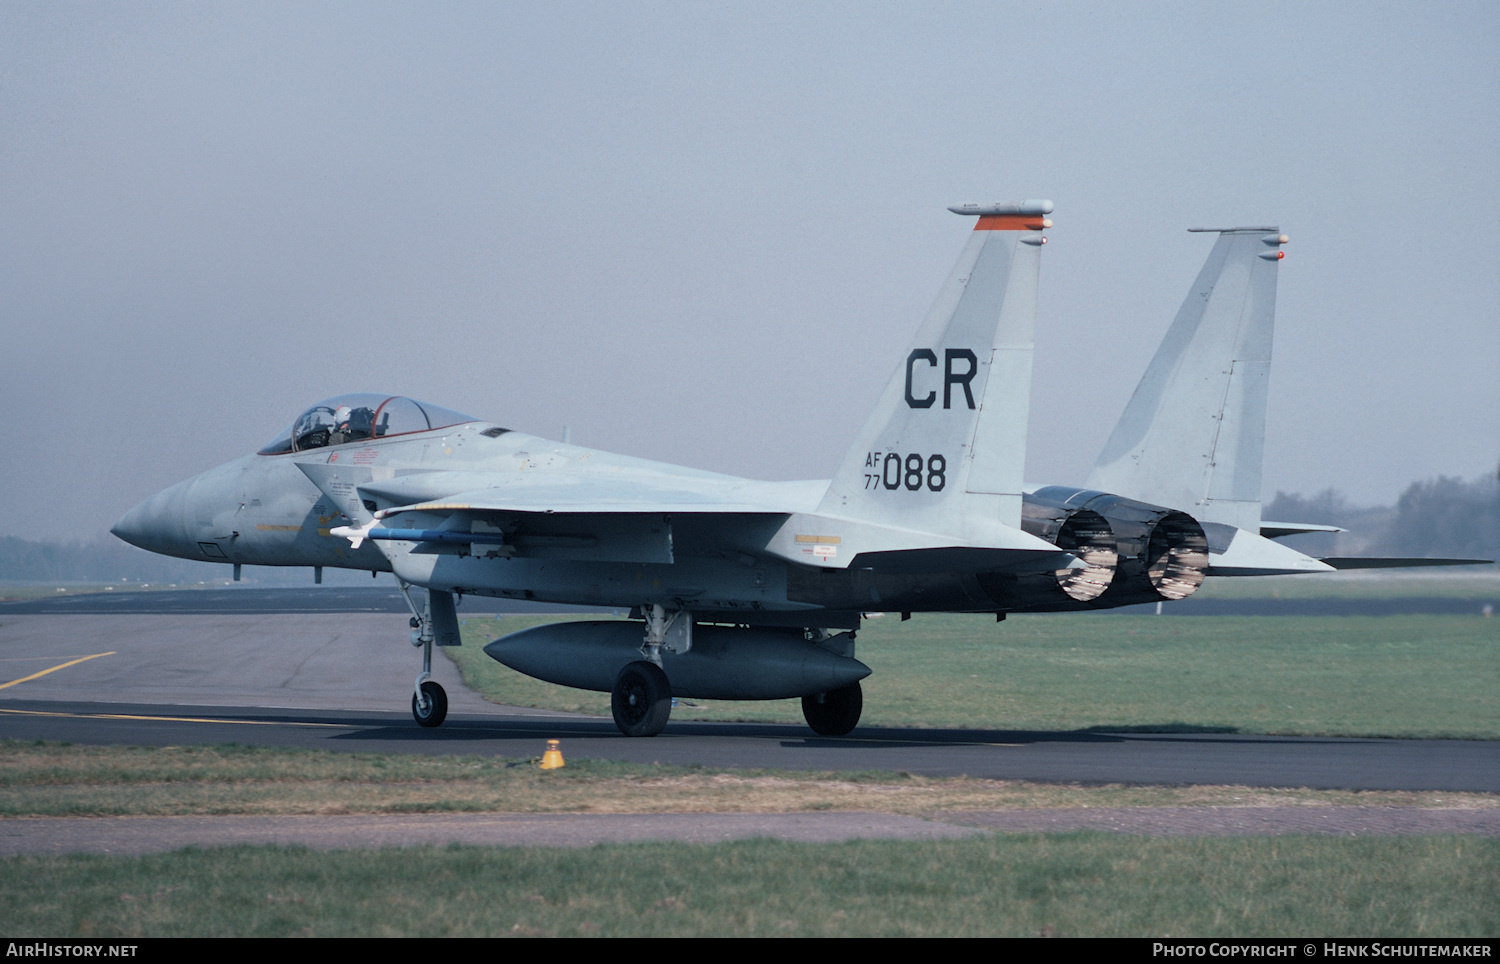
pixel 741 589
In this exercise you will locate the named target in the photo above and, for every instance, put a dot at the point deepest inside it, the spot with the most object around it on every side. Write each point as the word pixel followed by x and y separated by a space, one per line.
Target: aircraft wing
pixel 649 518
pixel 593 493
pixel 552 493
pixel 585 498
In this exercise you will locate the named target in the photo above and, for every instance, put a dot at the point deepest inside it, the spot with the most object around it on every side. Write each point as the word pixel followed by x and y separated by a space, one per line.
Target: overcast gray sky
pixel 704 232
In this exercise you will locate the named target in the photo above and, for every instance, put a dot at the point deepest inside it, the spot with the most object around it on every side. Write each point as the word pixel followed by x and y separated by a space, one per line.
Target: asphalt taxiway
pixel 1066 757
pixel 341 681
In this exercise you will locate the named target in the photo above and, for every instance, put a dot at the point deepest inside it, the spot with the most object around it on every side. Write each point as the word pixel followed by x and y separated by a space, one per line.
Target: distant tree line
pixel 106 559
pixel 1439 517
pixel 103 559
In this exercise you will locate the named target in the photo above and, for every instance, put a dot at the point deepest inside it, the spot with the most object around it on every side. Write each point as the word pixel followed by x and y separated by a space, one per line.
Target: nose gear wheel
pixel 432 708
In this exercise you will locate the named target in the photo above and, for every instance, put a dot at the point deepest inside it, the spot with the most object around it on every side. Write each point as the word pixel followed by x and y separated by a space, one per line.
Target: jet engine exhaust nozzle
pixel 1133 552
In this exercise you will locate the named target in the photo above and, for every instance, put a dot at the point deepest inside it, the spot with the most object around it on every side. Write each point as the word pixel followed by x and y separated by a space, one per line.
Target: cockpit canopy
pixel 358 417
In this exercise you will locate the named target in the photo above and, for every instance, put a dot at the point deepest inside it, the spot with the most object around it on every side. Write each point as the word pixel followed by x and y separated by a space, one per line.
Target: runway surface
pixel 342 682
pixel 1067 757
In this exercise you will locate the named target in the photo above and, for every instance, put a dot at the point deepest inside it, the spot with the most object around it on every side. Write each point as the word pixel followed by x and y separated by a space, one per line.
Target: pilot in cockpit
pixel 351 424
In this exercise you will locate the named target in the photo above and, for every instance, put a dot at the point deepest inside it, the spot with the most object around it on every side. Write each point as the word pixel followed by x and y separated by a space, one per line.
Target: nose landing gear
pixel 436 623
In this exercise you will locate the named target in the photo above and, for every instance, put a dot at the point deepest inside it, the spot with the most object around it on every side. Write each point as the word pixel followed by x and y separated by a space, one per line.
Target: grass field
pixel 1024 885
pixel 1480 583
pixel 1408 676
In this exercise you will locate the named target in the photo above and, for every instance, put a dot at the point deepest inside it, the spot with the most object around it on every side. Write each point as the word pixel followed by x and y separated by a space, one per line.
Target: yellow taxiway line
pixel 129 716
pixel 71 662
pixel 171 719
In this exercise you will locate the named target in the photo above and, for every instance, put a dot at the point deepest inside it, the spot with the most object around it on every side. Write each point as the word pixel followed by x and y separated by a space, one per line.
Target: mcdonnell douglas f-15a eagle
pixel 745 590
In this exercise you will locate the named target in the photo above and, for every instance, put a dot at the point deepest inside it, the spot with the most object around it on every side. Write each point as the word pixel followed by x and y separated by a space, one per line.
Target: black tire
pixel 836 712
pixel 641 700
pixel 437 705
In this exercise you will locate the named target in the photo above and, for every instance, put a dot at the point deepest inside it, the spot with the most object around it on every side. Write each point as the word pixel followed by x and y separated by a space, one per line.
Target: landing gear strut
pixel 429 701
pixel 836 712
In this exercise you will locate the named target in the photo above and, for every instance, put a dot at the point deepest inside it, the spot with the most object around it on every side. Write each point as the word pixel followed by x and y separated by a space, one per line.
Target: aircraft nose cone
pixel 157 524
pixel 131 527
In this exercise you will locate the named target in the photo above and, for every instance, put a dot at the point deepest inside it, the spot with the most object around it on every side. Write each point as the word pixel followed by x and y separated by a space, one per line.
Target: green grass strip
pixel 1063 885
pixel 1395 676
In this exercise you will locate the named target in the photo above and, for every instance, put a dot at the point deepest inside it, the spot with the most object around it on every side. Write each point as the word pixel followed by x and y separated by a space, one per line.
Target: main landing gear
pixel 641 700
pixel 836 712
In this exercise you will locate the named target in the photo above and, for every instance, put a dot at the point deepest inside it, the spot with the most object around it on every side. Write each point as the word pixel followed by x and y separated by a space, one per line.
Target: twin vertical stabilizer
pixel 1192 435
pixel 945 448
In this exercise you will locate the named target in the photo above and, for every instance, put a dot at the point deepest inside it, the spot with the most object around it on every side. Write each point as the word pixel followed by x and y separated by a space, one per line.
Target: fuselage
pixel 713 554
pixel 264 510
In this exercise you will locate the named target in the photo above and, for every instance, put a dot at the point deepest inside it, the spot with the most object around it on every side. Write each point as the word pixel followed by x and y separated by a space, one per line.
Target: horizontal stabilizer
pixel 1395 563
pixel 1251 555
pixel 1279 530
